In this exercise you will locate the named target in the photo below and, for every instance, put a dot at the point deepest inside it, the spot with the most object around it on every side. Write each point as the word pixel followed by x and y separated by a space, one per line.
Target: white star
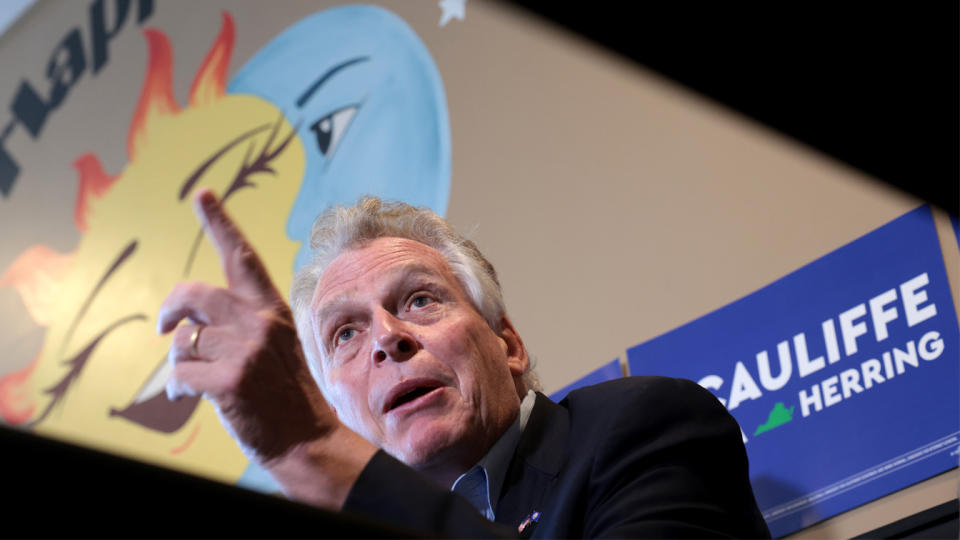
pixel 452 9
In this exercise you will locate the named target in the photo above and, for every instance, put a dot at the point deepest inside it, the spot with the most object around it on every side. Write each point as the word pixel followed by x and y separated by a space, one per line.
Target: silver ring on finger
pixel 194 339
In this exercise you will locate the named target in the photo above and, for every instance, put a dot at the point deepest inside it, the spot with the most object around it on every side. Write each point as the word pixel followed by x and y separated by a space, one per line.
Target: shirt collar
pixel 493 466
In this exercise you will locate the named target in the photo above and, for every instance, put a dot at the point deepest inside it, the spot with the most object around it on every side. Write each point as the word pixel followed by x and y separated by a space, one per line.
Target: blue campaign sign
pixel 843 375
pixel 606 372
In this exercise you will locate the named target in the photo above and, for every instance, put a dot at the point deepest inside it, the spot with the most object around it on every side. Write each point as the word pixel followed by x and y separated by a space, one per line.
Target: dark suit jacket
pixel 635 457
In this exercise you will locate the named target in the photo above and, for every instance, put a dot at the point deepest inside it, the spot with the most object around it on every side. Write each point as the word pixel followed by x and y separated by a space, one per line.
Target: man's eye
pixel 345 335
pixel 329 129
pixel 421 301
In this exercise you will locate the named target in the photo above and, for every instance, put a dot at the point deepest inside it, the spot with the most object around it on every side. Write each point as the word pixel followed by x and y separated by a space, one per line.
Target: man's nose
pixel 392 340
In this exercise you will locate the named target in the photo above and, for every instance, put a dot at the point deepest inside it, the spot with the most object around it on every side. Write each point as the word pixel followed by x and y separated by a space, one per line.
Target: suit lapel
pixel 533 469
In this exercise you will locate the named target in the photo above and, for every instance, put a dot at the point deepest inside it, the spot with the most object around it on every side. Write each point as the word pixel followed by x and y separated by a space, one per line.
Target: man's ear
pixel 517 358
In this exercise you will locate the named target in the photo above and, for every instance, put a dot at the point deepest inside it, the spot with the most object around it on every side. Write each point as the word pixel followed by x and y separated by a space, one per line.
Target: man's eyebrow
pixel 405 275
pixel 332 306
pixel 326 76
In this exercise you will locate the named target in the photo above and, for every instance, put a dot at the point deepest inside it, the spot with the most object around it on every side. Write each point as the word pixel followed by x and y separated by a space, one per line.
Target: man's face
pixel 408 362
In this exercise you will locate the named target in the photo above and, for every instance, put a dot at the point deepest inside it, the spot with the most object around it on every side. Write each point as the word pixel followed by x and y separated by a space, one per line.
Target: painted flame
pixel 16 407
pixel 37 275
pixel 156 97
pixel 92 181
pixel 210 82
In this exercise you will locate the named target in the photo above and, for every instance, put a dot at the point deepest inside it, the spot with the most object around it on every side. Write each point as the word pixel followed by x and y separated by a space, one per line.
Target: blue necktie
pixel 473 487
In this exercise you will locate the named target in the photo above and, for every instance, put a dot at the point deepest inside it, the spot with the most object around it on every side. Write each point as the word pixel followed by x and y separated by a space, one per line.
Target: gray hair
pixel 341 229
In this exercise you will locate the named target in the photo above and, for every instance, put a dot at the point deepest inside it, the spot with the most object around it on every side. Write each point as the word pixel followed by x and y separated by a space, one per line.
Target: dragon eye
pixel 329 129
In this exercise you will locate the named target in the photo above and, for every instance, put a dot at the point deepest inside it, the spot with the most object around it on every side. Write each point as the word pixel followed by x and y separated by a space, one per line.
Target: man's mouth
pixel 410 392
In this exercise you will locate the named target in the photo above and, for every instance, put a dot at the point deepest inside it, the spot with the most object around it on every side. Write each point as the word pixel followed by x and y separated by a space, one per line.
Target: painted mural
pixel 344 102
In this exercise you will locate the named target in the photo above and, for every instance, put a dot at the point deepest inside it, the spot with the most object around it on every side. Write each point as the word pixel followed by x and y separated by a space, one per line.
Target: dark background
pixel 874 85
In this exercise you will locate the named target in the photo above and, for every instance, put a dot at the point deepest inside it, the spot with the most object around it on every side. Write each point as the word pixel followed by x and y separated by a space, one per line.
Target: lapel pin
pixel 527 524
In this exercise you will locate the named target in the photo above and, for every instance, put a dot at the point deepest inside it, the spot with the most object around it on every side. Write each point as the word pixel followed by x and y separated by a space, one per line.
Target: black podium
pixel 54 489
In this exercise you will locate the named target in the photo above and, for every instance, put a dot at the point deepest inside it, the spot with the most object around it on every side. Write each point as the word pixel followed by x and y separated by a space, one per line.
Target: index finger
pixel 244 270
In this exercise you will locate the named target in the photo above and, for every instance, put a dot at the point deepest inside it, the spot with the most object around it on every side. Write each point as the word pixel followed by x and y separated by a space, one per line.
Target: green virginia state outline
pixel 779 416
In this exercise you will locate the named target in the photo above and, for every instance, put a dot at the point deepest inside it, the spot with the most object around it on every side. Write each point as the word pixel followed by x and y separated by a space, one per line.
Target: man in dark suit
pixel 425 386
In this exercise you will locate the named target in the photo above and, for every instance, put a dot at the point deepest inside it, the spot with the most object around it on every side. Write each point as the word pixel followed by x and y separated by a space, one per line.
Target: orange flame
pixel 37 274
pixel 156 98
pixel 92 181
pixel 210 81
pixel 15 404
